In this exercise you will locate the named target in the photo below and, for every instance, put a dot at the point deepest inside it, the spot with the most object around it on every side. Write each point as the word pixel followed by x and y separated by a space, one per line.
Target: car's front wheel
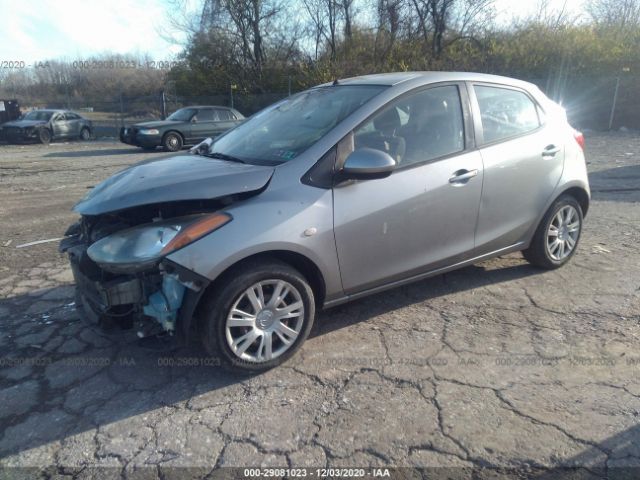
pixel 259 316
pixel 172 142
pixel 557 236
pixel 85 134
pixel 44 136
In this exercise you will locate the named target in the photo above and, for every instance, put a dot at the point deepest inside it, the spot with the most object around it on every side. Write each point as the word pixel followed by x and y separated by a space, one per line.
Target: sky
pixel 507 9
pixel 37 30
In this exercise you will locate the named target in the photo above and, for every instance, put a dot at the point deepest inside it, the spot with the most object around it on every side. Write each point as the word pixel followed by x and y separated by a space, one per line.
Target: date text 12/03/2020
pixel 316 472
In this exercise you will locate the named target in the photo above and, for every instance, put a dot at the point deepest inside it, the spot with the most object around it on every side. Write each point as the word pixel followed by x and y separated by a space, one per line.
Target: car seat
pixel 433 129
pixel 384 137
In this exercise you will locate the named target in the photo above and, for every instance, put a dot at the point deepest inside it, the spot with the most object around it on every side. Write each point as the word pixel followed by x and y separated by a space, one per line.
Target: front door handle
pixel 462 176
pixel 550 151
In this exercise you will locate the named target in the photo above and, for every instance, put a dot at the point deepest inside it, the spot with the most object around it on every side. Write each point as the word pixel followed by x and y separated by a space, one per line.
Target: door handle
pixel 550 151
pixel 461 176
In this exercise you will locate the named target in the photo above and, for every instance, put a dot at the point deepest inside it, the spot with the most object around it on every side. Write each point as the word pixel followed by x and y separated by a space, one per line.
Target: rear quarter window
pixel 505 112
pixel 224 115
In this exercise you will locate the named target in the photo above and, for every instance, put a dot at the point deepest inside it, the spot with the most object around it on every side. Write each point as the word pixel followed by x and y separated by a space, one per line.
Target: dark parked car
pixel 9 110
pixel 45 125
pixel 187 126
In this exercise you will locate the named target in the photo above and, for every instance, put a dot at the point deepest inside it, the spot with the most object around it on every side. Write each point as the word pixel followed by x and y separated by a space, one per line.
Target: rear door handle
pixel 550 151
pixel 461 176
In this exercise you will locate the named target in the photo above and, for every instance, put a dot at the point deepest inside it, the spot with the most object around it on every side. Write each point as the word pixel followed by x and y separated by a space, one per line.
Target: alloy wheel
pixel 563 233
pixel 265 321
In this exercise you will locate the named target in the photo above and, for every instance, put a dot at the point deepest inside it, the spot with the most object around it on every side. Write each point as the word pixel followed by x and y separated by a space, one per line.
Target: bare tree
pixel 246 21
pixel 440 11
pixel 347 12
pixel 184 20
pixel 331 7
pixel 552 14
pixel 315 10
pixel 389 18
pixel 621 14
pixel 324 16
pixel 443 22
pixel 423 12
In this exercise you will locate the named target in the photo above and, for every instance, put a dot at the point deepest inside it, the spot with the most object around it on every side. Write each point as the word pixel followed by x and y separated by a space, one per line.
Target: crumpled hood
pixel 184 177
pixel 23 123
pixel 156 123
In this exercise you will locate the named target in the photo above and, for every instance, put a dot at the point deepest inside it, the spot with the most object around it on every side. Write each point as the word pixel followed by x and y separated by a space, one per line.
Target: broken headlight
pixel 138 248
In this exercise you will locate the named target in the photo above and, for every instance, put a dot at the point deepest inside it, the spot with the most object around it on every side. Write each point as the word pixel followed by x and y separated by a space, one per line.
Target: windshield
pixel 182 115
pixel 38 115
pixel 283 131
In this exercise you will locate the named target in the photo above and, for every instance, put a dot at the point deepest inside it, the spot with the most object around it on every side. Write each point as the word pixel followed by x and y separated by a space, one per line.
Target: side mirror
pixel 194 120
pixel 203 147
pixel 367 164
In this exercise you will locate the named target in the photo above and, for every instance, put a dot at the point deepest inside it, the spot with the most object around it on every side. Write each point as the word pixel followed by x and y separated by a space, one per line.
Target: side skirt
pixel 432 273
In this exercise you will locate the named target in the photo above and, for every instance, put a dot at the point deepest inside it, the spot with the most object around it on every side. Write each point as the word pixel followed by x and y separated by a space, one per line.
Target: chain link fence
pixel 109 115
pixel 596 103
pixel 592 103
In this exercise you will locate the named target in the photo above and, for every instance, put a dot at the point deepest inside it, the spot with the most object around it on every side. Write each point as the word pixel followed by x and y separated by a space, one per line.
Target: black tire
pixel 85 134
pixel 172 142
pixel 538 253
pixel 230 289
pixel 44 136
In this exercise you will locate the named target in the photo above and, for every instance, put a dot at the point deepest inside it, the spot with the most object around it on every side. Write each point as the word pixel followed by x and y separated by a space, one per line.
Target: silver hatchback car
pixel 338 192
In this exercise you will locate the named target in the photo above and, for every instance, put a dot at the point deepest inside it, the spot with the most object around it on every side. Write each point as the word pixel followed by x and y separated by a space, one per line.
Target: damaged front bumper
pixel 160 299
pixel 18 134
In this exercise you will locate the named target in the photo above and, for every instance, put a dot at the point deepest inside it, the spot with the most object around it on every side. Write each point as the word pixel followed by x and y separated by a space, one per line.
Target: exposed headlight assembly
pixel 150 131
pixel 138 248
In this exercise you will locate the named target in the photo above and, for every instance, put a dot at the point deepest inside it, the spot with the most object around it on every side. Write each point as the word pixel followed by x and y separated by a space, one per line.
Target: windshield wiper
pixel 224 156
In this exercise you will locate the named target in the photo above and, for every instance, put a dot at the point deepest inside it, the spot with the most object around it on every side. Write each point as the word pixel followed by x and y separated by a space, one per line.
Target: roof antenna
pixel 335 82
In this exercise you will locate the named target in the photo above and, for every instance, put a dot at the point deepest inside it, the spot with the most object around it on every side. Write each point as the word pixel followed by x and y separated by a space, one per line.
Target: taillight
pixel 579 138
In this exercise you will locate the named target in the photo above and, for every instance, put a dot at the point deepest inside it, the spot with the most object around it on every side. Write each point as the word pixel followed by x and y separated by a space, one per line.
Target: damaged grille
pixel 104 290
pixel 12 132
pixel 145 295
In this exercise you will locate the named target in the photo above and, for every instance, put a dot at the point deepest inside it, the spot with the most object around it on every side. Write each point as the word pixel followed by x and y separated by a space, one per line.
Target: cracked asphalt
pixel 496 366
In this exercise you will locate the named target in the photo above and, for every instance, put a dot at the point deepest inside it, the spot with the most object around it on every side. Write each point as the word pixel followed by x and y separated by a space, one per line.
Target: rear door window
pixel 206 115
pixel 505 112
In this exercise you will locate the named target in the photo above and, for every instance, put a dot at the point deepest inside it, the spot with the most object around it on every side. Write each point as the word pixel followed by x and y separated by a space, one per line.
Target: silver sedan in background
pixel 335 193
pixel 46 125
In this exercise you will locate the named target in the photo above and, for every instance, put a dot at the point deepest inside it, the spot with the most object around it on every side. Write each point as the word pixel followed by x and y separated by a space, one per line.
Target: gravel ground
pixel 497 365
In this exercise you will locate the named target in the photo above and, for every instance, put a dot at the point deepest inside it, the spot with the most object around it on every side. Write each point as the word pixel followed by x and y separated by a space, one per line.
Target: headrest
pixel 429 112
pixel 388 121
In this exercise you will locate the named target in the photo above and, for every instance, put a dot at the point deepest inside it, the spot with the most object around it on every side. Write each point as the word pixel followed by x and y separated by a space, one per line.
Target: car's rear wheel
pixel 172 142
pixel 85 134
pixel 44 136
pixel 557 236
pixel 260 315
